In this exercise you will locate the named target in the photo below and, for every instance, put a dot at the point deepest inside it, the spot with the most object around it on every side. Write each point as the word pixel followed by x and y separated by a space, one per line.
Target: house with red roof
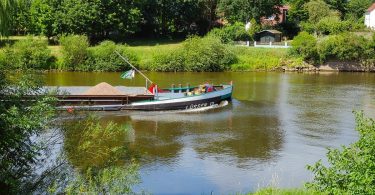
pixel 370 17
pixel 275 19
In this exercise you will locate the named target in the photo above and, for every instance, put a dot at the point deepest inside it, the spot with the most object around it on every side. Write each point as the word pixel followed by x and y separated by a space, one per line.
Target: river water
pixel 276 125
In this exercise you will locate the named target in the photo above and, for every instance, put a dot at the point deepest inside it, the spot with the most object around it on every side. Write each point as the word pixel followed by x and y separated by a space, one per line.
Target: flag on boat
pixel 128 74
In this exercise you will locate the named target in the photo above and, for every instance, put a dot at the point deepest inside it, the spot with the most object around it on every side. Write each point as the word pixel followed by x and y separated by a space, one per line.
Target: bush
pixel 347 46
pixel 28 53
pixel 352 169
pixel 304 45
pixel 104 58
pixel 197 55
pixel 332 25
pixel 230 33
pixel 307 27
pixel 74 50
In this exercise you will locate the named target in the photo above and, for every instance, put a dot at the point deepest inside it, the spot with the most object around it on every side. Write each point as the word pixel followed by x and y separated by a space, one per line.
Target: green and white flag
pixel 128 74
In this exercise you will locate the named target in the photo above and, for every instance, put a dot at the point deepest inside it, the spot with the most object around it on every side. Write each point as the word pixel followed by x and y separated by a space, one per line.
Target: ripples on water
pixel 276 124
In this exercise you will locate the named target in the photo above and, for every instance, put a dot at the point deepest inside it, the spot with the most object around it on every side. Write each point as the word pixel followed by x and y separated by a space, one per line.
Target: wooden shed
pixel 267 36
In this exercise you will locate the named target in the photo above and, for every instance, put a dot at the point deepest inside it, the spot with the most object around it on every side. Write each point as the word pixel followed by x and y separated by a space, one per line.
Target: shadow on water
pixel 236 133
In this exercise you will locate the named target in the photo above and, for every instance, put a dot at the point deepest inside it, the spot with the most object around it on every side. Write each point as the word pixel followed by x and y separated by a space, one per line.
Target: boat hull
pixel 161 102
pixel 184 103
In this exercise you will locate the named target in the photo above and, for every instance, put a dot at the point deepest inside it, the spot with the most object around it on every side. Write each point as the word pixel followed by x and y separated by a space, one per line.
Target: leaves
pixel 351 169
pixel 20 120
pixel 197 55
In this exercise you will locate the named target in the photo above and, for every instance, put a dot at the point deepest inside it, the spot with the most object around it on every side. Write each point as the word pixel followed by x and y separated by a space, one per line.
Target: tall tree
pixel 245 10
pixel 43 17
pixel 339 5
pixel 317 10
pixel 20 122
pixel 297 11
pixel 177 17
pixel 20 23
pixel 6 7
pixel 357 8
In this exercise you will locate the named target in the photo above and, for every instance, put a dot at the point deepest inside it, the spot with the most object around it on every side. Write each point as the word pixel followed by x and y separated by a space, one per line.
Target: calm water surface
pixel 276 125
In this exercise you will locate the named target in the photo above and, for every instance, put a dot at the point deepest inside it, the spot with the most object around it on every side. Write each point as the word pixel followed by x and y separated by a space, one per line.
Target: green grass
pixel 274 191
pixel 252 59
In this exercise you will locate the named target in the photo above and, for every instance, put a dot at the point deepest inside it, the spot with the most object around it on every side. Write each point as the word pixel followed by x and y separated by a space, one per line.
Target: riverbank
pixel 152 55
pixel 275 191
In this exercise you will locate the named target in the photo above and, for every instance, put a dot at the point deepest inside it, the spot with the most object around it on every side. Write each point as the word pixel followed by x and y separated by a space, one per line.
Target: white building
pixel 370 17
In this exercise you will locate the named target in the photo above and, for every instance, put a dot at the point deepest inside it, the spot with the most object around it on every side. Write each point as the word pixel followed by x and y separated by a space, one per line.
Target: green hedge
pixel 230 33
pixel 304 45
pixel 347 46
pixel 28 53
pixel 343 47
pixel 198 55
pixel 74 50
pixel 104 58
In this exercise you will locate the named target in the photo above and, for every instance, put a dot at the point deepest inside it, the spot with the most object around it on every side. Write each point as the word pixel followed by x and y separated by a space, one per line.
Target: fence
pixel 264 45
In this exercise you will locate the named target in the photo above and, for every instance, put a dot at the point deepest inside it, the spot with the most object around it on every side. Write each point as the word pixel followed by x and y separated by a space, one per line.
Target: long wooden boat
pixel 139 98
pixel 164 99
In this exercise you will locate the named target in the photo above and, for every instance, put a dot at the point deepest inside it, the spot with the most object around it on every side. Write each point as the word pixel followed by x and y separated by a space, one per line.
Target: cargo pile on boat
pixel 103 89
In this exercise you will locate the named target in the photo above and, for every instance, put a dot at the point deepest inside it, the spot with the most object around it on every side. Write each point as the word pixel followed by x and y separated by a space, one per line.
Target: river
pixel 276 125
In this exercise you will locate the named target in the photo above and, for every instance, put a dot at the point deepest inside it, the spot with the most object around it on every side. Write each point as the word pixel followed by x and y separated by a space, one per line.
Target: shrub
pixel 307 27
pixel 351 169
pixel 197 55
pixel 347 46
pixel 234 32
pixel 28 53
pixel 332 25
pixel 304 45
pixel 104 58
pixel 74 50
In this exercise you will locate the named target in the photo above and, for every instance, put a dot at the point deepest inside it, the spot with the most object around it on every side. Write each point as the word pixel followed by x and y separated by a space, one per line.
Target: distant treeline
pixel 103 19
pixel 119 19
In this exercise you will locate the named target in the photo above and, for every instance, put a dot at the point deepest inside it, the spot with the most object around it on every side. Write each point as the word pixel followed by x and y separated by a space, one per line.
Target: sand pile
pixel 103 89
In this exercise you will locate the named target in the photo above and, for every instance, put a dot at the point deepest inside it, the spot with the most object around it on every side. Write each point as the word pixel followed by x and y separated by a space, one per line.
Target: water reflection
pixel 277 123
pixel 89 144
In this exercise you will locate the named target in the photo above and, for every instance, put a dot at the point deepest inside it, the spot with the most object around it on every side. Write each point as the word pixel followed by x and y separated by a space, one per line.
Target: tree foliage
pixel 197 55
pixel 318 9
pixel 6 8
pixel 234 32
pixel 30 53
pixel 244 10
pixel 304 45
pixel 356 8
pixel 74 49
pixel 346 46
pixel 351 169
pixel 103 57
pixel 20 122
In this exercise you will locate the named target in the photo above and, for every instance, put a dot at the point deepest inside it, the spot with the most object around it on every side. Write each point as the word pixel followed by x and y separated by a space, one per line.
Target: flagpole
pixel 122 57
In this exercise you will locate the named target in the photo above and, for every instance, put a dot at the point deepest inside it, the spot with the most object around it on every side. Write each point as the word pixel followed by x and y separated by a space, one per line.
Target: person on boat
pixel 208 87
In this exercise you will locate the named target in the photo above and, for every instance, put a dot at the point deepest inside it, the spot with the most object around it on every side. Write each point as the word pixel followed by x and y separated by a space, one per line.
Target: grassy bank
pixel 252 59
pixel 274 191
pixel 147 54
